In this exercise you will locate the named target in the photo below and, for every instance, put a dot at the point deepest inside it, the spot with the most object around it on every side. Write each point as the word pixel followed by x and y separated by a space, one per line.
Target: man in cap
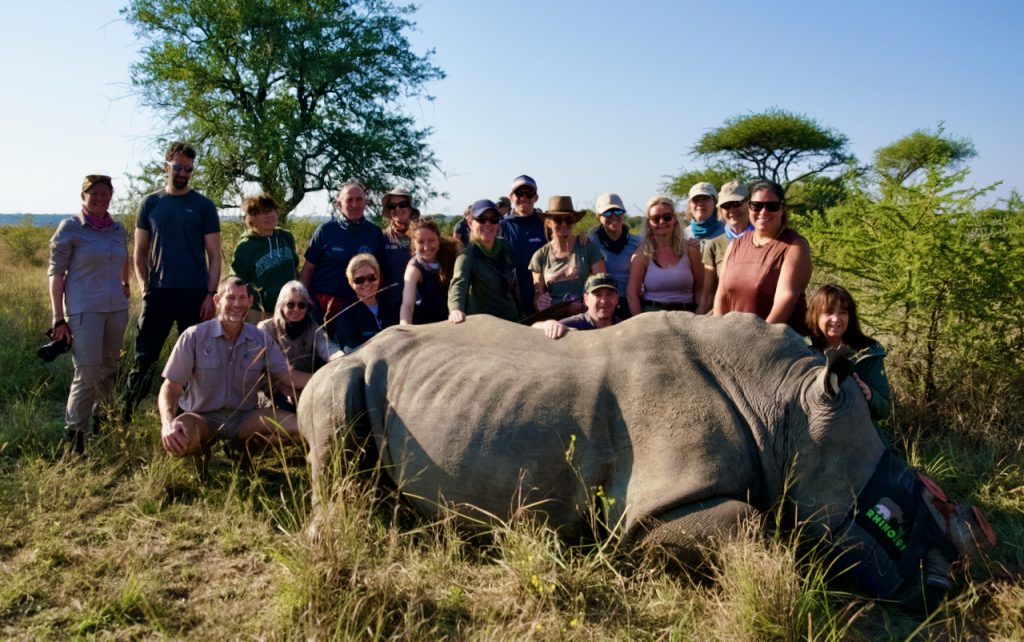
pixel 732 211
pixel 524 232
pixel 177 263
pixel 601 296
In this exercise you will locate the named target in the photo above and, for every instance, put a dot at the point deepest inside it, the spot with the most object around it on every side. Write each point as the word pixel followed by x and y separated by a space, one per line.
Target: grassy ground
pixel 129 544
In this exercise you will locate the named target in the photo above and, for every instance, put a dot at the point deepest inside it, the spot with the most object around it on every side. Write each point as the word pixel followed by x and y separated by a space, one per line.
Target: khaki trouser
pixel 95 352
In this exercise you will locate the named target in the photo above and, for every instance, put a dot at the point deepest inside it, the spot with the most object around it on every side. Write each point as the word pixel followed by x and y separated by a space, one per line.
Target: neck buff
pixel 294 329
pixel 708 229
pixel 732 236
pixel 492 253
pixel 614 246
pixel 99 222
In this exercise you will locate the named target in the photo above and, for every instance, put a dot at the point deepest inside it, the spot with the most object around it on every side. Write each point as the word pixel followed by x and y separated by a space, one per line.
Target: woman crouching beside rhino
pixel 833 323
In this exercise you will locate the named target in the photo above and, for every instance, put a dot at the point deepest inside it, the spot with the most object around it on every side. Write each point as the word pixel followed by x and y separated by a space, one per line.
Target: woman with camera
pixel 89 300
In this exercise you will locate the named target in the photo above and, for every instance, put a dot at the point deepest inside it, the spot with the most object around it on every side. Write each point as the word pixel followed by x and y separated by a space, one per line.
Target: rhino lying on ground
pixel 687 424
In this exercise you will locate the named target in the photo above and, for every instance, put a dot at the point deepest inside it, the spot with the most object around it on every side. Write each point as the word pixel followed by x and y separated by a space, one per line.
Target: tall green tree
pixel 291 95
pixel 777 144
pixel 914 153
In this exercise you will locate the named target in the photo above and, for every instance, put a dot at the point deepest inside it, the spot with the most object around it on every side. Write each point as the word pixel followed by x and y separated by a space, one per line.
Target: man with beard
pixel 177 263
pixel 212 378
pixel 601 295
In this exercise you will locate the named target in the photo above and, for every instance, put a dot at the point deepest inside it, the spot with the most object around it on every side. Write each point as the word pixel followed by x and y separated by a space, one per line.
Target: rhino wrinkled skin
pixel 687 424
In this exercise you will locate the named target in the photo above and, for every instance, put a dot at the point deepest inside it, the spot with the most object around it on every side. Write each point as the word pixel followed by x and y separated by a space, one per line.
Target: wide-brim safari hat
pixel 398 193
pixel 561 206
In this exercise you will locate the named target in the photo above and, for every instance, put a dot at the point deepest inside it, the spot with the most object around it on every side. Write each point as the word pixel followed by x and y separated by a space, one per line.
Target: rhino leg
pixel 331 413
pixel 684 532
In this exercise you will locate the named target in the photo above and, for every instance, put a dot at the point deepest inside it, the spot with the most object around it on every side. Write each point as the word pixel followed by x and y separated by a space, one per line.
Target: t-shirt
pixel 177 227
pixel 524 235
pixel 565 276
pixel 333 245
pixel 617 263
pixel 581 321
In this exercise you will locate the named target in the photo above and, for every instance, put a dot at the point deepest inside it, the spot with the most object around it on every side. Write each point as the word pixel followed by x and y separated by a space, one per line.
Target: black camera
pixel 50 351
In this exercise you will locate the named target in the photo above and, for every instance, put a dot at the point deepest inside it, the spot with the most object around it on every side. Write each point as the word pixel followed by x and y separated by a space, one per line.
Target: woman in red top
pixel 767 270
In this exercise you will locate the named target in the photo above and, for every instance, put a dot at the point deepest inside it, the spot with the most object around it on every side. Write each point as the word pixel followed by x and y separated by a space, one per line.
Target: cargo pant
pixel 95 352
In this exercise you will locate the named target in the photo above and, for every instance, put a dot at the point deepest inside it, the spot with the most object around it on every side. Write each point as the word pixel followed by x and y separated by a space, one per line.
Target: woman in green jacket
pixel 483 281
pixel 265 256
pixel 833 323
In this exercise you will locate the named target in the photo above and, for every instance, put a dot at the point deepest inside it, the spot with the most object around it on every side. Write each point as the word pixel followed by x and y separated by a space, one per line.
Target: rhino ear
pixel 838 366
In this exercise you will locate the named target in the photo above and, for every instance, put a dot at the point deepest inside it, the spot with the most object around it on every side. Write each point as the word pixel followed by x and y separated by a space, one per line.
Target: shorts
pixel 226 423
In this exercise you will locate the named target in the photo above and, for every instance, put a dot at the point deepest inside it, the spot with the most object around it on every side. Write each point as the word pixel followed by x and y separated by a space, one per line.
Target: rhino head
pixel 903 535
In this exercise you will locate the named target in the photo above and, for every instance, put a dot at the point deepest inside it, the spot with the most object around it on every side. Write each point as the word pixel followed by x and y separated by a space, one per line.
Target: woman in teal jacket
pixel 833 322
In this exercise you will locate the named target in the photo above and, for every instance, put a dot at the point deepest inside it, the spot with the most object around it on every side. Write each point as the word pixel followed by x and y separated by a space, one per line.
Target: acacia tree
pixel 777 144
pixel 292 95
pixel 914 153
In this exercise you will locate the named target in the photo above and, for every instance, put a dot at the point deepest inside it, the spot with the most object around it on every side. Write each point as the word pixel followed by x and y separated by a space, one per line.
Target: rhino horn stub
pixel 838 366
pixel 965 526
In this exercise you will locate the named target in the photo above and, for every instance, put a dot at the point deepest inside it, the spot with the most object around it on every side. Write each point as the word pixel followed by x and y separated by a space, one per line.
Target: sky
pixel 585 96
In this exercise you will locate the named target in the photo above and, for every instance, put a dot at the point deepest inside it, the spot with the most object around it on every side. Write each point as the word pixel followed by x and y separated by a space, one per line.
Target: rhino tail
pixel 332 418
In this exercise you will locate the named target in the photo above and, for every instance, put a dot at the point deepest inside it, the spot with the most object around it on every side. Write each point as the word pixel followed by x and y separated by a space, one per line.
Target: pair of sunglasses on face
pixel 493 220
pixel 292 305
pixel 369 278
pixel 395 206
pixel 661 218
pixel 562 220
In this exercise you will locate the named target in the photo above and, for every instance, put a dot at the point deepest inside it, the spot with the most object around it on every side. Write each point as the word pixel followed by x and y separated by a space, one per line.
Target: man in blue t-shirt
pixel 333 245
pixel 600 296
pixel 524 232
pixel 177 264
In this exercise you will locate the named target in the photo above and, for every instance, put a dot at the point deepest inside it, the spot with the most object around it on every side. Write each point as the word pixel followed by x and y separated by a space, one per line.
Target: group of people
pixel 248 344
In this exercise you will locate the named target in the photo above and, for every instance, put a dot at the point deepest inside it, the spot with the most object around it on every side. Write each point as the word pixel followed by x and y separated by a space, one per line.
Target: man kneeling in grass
pixel 212 380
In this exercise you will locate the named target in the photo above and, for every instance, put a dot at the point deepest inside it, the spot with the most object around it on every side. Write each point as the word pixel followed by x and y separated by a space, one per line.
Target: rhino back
pixel 666 409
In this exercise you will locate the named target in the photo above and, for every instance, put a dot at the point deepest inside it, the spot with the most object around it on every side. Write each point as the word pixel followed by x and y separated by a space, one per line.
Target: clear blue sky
pixel 586 97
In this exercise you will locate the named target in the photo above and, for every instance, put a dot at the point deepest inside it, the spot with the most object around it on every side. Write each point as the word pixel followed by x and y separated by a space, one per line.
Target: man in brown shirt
pixel 213 376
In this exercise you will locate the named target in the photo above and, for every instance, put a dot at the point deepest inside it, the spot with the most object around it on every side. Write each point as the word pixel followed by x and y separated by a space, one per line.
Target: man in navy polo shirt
pixel 601 295
pixel 524 232
pixel 333 245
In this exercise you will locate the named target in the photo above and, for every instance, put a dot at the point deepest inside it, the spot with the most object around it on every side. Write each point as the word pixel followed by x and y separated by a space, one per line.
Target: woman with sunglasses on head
pixel 89 291
pixel 767 270
pixel 733 212
pixel 561 266
pixel 483 280
pixel 833 323
pixel 617 245
pixel 665 273
pixel 265 256
pixel 428 274
pixel 362 320
pixel 397 209
pixel 304 342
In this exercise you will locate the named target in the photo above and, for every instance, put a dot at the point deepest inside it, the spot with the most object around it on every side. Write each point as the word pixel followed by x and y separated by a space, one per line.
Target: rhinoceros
pixel 685 425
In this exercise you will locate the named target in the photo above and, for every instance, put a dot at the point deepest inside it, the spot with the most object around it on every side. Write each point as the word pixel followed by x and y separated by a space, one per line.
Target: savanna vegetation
pixel 130 544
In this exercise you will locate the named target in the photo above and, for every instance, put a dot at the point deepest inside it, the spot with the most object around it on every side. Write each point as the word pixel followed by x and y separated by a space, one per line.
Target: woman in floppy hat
pixel 666 272
pixel 560 267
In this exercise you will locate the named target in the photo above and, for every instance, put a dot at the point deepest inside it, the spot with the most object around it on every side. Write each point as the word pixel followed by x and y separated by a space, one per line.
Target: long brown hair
pixel 823 300
pixel 447 251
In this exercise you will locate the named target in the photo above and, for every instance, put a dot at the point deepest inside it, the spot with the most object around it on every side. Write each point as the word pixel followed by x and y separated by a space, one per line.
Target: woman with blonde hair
pixel 428 275
pixel 665 272
pixel 362 320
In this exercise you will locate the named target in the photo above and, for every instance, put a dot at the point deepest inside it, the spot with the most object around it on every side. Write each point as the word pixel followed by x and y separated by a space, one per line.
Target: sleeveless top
pixel 431 298
pixel 673 284
pixel 752 276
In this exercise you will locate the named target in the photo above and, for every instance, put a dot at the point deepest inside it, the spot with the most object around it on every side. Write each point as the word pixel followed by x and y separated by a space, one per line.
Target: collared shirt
pixel 90 260
pixel 221 375
pixel 333 245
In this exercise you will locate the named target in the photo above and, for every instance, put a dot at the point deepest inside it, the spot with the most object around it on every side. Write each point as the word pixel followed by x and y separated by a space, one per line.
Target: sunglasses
pixel 731 205
pixel 525 192
pixel 180 169
pixel 394 206
pixel 493 220
pixel 771 206
pixel 562 220
pixel 369 278
pixel 616 212
pixel 661 218
pixel 292 305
